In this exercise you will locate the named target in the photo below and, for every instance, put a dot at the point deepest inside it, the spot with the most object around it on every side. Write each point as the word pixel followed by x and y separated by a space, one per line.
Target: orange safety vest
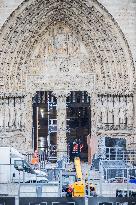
pixel 35 160
pixel 70 190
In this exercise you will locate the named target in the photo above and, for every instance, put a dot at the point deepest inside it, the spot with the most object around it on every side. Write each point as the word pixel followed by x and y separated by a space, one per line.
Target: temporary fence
pixel 50 155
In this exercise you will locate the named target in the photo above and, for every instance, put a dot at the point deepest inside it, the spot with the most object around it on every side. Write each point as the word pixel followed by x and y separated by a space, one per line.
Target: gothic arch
pixel 107 57
pixel 110 57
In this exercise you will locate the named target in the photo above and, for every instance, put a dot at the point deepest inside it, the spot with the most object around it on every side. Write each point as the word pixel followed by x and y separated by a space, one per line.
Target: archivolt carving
pixel 62 53
pixel 105 44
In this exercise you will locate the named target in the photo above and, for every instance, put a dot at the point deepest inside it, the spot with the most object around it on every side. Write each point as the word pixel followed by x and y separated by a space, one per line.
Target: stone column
pixel 61 123
pixel 27 118
pixel 92 149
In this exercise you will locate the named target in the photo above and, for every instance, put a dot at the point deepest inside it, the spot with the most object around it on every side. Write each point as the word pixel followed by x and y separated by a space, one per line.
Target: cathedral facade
pixel 66 46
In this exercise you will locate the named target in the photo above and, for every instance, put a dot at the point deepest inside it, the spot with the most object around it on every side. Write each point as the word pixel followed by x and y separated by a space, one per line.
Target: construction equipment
pixel 78 168
pixel 73 182
pixel 14 167
pixel 78 188
pixel 79 185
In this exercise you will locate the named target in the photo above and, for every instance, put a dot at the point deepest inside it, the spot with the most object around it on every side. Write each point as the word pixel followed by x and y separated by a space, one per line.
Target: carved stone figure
pixel 129 111
pixel 1 114
pixel 6 113
pixel 12 113
pixel 17 113
pixel 99 113
pixel 23 114
pixel 110 110
pixel 116 111
pixel 122 110
pixel 104 110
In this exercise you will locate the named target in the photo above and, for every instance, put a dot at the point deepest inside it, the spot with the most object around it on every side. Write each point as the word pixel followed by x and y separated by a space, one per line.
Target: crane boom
pixel 78 168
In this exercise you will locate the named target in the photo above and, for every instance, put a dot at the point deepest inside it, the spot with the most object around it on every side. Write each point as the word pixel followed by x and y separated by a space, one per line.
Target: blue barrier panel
pixel 111 201
pixel 132 181
pixel 7 200
pixel 51 201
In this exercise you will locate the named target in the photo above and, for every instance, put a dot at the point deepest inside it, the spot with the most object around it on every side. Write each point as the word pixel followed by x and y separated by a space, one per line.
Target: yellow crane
pixel 77 189
pixel 78 168
pixel 79 185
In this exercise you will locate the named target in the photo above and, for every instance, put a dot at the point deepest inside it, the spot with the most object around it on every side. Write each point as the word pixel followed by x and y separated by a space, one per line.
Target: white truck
pixel 14 168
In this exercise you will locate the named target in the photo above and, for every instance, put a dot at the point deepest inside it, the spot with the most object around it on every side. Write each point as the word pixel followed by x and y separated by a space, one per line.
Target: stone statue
pixel 17 113
pixel 129 111
pixel 116 111
pixel 99 115
pixel 1 114
pixel 7 113
pixel 12 113
pixel 110 110
pixel 22 114
pixel 122 110
pixel 104 110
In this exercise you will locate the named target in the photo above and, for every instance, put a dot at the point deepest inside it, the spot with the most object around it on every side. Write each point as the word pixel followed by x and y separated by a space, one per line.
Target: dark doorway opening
pixel 44 121
pixel 79 123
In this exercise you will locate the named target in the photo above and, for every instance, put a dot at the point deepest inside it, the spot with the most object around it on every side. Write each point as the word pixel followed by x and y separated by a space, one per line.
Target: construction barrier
pixel 51 201
pixel 67 201
pixel 111 201
pixel 7 200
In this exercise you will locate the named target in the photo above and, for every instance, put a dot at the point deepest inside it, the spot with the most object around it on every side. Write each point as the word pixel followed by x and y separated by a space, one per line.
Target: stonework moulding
pixel 109 50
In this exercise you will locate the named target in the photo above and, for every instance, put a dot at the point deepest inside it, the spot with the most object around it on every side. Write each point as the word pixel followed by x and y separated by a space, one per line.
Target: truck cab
pixel 14 168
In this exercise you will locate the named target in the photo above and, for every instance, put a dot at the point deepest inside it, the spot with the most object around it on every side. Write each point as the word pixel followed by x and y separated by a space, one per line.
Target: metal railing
pixel 118 153
pixel 49 155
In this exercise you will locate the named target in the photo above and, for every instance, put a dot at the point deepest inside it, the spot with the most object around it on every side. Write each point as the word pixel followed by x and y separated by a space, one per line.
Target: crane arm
pixel 78 168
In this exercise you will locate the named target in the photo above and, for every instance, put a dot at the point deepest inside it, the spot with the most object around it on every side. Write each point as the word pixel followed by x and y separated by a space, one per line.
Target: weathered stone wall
pixel 124 12
pixel 28 34
pixel 6 8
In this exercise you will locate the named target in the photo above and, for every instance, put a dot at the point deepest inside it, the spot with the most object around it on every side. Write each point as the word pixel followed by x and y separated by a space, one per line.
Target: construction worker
pixel 69 191
pixel 35 160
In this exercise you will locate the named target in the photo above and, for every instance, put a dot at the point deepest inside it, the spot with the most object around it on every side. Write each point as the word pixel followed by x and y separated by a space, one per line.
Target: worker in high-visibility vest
pixel 35 159
pixel 69 191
